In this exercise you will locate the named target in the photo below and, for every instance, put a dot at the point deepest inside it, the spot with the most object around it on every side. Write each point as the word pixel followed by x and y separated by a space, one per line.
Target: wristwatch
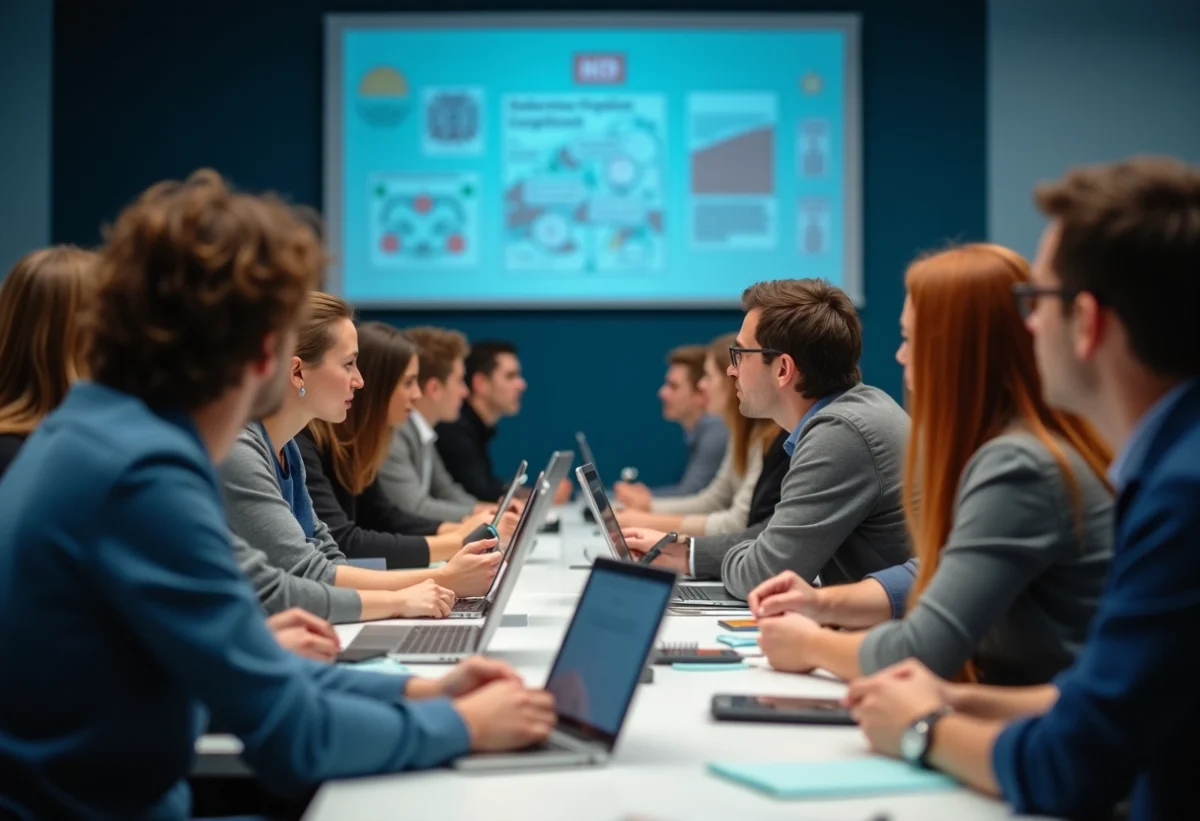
pixel 918 738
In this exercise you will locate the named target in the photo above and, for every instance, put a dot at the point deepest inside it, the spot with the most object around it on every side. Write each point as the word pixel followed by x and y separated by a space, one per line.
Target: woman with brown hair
pixel 43 303
pixel 1007 503
pixel 280 527
pixel 723 506
pixel 342 459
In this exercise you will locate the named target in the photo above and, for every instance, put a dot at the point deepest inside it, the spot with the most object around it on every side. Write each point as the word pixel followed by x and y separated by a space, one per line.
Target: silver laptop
pixel 476 607
pixel 596 672
pixel 692 594
pixel 585 450
pixel 447 643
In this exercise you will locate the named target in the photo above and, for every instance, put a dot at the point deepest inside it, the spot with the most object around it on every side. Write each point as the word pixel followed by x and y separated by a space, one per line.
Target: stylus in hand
pixel 654 552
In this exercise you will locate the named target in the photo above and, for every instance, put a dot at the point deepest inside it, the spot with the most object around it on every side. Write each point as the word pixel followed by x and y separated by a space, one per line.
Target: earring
pixel 301 391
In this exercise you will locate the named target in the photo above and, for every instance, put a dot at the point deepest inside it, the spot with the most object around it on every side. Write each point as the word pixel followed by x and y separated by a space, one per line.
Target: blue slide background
pixel 673 63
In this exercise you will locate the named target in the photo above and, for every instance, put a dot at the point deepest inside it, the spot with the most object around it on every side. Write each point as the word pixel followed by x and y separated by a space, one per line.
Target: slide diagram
pixel 731 153
pixel 583 180
pixel 425 221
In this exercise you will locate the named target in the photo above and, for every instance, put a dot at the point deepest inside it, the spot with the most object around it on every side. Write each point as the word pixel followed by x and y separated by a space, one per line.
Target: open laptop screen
pixel 584 449
pixel 597 499
pixel 517 480
pixel 607 644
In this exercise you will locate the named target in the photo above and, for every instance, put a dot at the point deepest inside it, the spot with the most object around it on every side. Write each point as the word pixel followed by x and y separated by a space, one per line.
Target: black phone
pixel 484 531
pixel 780 709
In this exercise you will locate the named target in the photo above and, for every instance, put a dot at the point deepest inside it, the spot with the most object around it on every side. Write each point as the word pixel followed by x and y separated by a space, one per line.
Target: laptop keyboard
pixel 689 593
pixel 437 638
pixel 473 606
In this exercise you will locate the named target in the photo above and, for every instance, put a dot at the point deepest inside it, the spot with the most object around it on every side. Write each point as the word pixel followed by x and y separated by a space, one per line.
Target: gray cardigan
pixel 287 568
pixel 400 480
pixel 840 513
pixel 1018 580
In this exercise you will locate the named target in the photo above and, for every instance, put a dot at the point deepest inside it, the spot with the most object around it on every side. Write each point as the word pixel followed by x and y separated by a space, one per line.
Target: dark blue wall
pixel 147 90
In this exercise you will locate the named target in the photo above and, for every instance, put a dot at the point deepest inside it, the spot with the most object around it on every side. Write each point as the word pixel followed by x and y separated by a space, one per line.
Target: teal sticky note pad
pixel 738 641
pixel 832 779
pixel 380 665
pixel 709 668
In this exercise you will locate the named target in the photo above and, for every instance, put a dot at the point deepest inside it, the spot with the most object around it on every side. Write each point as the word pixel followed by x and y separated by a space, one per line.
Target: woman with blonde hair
pixel 723 506
pixel 1012 532
pixel 43 306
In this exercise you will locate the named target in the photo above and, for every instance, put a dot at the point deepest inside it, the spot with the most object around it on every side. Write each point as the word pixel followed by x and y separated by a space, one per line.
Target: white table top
pixel 658 769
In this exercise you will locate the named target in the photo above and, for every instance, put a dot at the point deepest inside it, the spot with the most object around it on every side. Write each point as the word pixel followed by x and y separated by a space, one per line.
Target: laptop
pixel 474 607
pixel 711 594
pixel 442 643
pixel 595 675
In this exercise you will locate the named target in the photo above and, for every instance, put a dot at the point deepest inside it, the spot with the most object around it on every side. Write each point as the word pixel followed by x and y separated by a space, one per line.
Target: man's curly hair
pixel 193 277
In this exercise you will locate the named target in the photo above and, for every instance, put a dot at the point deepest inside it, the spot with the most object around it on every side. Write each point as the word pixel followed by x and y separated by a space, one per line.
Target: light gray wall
pixel 1077 81
pixel 26 46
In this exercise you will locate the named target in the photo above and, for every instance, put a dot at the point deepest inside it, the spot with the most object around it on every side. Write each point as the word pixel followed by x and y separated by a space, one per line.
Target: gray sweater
pixel 1018 581
pixel 287 568
pixel 401 482
pixel 840 513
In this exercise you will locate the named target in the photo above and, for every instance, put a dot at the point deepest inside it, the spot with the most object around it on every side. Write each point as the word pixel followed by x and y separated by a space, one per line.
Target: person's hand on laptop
pixel 786 593
pixel 629 517
pixel 426 599
pixel 473 673
pixel 633 495
pixel 470 571
pixel 674 556
pixel 506 715
pixel 305 634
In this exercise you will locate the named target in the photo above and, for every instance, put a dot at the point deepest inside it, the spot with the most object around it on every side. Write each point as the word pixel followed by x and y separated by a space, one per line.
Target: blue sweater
pixel 127 622
pixel 1128 715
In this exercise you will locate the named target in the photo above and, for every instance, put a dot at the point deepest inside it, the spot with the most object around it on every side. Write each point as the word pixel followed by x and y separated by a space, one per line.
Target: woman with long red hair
pixel 1007 503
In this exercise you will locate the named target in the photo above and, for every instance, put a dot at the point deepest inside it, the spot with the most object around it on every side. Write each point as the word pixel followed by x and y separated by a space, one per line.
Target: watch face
pixel 912 743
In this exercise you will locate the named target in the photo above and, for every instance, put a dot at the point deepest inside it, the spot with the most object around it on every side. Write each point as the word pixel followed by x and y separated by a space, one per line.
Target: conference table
pixel 658 770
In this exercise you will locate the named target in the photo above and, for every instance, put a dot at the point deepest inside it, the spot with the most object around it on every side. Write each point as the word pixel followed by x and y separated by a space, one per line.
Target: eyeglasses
pixel 1027 294
pixel 735 353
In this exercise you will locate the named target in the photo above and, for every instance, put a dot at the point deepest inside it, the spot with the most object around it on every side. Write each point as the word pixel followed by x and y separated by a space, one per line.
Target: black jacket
pixel 463 446
pixel 366 526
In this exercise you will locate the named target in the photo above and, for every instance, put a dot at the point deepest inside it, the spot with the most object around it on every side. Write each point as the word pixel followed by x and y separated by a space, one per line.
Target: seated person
pixel 724 506
pixel 1111 307
pixel 685 401
pixel 840 512
pixel 42 305
pixel 1014 529
pixel 342 459
pixel 272 516
pixel 115 559
pixel 495 387
pixel 414 477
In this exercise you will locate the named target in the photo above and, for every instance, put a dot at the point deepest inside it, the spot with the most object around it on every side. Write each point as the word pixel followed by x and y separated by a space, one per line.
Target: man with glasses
pixel 840 515
pixel 1112 309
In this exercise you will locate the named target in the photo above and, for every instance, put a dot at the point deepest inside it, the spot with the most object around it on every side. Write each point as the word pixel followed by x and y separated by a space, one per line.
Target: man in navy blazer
pixel 1112 306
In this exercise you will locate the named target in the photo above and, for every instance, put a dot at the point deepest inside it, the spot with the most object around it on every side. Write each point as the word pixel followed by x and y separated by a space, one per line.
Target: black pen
pixel 654 552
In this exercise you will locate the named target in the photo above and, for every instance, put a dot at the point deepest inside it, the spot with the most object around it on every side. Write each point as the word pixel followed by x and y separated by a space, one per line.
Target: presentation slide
pixel 589 161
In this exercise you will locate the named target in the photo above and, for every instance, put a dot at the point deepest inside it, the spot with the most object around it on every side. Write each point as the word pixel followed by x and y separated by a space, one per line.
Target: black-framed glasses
pixel 735 353
pixel 1027 294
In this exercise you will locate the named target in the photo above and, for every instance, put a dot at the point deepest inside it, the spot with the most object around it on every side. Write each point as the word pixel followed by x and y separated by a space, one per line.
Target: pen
pixel 654 552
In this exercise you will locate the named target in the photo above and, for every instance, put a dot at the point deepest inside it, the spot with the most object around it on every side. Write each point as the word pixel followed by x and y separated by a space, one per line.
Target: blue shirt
pixel 1128 711
pixel 790 443
pixel 706 443
pixel 294 493
pixel 1129 460
pixel 897 582
pixel 128 623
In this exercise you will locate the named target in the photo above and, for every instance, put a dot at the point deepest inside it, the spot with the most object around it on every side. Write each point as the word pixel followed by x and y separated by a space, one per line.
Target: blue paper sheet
pixel 832 779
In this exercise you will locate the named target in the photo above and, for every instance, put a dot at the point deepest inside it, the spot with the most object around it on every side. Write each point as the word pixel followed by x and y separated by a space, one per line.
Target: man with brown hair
pixel 414 476
pixel 706 436
pixel 115 557
pixel 840 514
pixel 1112 307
